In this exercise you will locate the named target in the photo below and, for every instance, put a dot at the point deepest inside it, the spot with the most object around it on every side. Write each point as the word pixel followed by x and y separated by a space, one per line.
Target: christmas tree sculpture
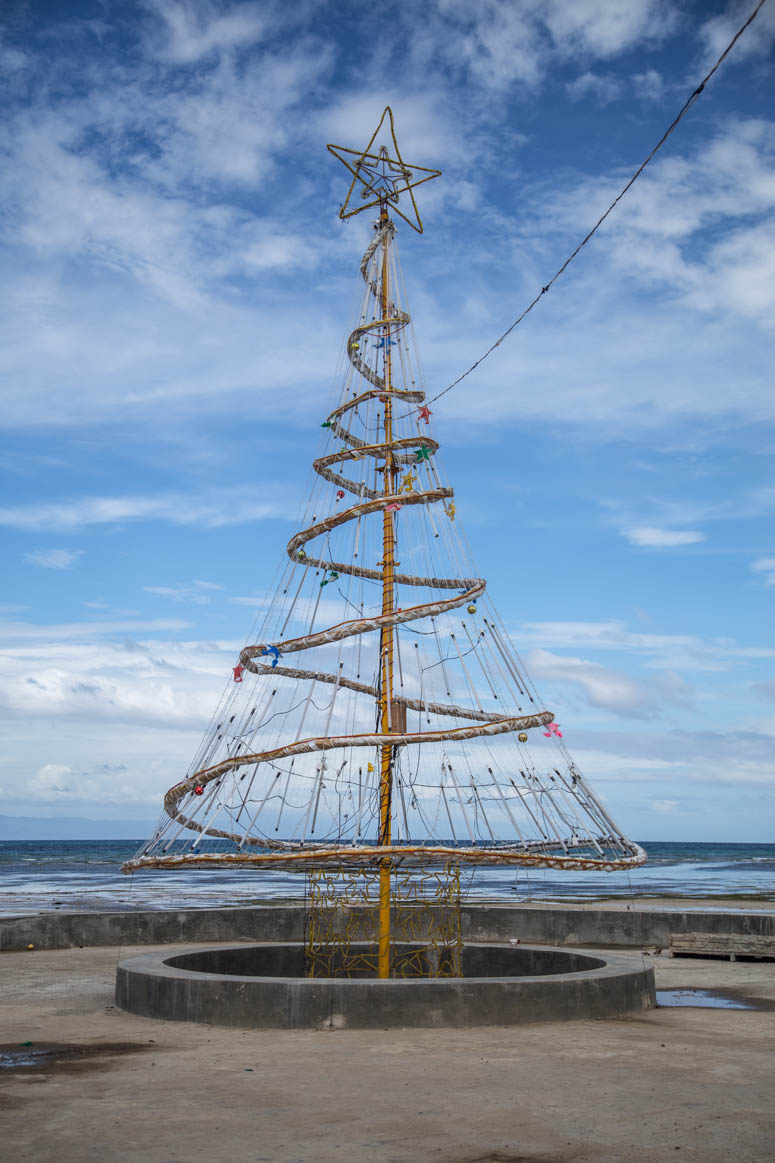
pixel 381 719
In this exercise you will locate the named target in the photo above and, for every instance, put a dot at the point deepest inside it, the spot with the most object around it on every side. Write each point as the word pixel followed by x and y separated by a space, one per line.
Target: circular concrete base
pixel 262 986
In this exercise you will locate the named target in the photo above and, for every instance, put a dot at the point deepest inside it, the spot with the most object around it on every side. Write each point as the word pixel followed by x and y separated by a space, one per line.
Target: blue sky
pixel 177 293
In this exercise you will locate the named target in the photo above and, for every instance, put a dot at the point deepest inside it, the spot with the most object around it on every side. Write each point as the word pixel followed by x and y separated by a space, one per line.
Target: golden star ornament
pixel 380 177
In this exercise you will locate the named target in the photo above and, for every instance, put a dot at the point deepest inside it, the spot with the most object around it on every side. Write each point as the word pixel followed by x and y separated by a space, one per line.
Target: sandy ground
pixel 684 1083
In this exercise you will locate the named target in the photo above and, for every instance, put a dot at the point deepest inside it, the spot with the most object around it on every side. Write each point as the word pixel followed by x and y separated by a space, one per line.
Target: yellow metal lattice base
pixel 343 922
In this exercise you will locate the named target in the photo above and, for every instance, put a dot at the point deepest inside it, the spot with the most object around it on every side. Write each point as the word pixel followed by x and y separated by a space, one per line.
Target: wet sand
pixel 672 1083
pixel 762 903
pixel 682 904
pixel 638 902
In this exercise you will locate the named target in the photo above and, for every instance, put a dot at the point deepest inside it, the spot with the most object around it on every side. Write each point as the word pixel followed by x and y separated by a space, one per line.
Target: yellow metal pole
pixel 386 633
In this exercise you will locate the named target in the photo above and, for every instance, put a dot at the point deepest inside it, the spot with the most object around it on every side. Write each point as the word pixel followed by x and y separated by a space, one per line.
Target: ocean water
pixel 81 875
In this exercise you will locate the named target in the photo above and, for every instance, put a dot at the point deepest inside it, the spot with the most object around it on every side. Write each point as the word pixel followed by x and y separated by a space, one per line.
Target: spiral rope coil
pixel 332 468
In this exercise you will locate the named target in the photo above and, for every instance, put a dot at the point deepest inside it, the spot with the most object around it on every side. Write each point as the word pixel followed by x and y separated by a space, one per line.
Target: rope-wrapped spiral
pixel 262 659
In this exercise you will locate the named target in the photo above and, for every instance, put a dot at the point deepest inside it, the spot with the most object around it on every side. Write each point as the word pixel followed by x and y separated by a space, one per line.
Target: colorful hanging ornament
pixel 301 553
pixel 326 424
pixel 471 607
pixel 424 413
pixel 422 453
pixel 385 341
pixel 392 508
pixel 199 790
pixel 522 736
pixel 333 576
pixel 238 672
pixel 274 652
pixel 552 729
pixel 339 494
pixel 450 510
pixel 369 766
pixel 407 483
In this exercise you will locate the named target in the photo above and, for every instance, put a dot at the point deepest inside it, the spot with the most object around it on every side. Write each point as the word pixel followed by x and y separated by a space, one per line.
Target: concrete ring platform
pixel 263 987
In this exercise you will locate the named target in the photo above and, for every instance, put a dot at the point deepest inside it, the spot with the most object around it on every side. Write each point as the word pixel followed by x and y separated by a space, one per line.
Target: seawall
pixel 609 928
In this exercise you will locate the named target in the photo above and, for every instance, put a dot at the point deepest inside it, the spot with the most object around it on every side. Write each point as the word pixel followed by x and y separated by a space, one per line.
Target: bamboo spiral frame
pixel 291 854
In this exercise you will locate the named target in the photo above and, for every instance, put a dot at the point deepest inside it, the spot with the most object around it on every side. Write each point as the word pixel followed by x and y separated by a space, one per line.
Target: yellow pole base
pixel 383 949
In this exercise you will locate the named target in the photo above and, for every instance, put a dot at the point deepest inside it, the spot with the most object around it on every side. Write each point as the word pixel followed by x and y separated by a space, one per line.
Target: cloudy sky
pixel 177 290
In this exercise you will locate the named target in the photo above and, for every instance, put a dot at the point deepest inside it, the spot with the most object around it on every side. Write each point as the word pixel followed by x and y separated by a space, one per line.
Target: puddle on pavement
pixel 47 1056
pixel 700 997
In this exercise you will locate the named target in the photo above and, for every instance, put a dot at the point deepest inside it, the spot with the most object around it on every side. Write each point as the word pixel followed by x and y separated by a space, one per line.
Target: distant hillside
pixel 72 828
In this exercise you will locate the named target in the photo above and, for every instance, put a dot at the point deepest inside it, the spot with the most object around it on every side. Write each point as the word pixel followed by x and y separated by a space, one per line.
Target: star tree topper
pixel 382 178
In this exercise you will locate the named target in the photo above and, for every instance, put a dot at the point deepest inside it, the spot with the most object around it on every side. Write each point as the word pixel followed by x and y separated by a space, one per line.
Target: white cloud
pixel 123 718
pixel 684 266
pixel 606 28
pixel 728 182
pixel 708 758
pixel 663 651
pixel 106 608
pixel 29 631
pixel 198 592
pixel 194 28
pixel 105 351
pixel 50 782
pixel 648 86
pixel 229 125
pixel 54 558
pixel 756 41
pixel 653 538
pixel 132 200
pixel 67 206
pixel 12 60
pixel 498 43
pixel 600 87
pixel 674 362
pixel 609 689
pixel 613 765
pixel 259 602
pixel 665 805
pixel 57 784
pixel 765 566
pixel 211 512
pixel 506 42
pixel 742 267
pixel 132 245
pixel 426 132
pixel 77 677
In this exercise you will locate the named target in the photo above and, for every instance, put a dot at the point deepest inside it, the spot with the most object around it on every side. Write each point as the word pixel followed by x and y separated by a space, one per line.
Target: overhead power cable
pixel 684 110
